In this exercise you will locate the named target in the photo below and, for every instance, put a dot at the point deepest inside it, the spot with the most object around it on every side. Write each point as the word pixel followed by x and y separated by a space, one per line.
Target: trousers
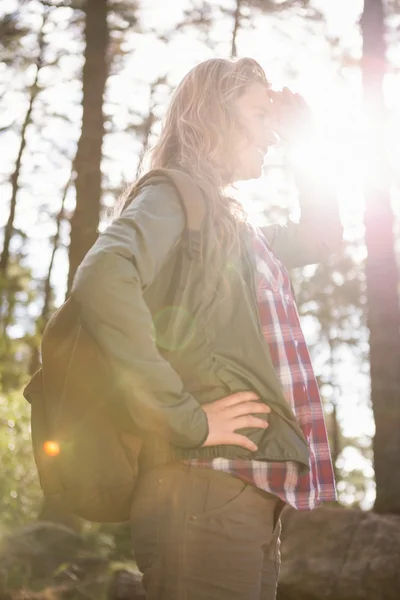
pixel 201 534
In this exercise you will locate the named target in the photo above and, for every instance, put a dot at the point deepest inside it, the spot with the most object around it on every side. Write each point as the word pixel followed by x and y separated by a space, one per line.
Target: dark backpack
pixel 87 462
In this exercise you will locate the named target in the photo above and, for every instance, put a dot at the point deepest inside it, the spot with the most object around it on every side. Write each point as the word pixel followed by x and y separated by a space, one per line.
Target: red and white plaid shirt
pixel 282 330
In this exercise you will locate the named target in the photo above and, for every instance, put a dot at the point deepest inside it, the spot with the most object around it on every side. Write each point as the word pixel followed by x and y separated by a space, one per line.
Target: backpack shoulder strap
pixel 192 201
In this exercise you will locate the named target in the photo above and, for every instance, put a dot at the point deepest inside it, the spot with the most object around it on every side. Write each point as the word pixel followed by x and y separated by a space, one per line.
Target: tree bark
pixel 236 27
pixel 9 227
pixel 381 269
pixel 34 363
pixel 85 219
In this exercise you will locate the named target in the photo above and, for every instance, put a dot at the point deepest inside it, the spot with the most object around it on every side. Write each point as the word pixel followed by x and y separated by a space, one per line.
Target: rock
pixel 52 512
pixel 339 554
pixel 126 585
pixel 47 594
pixel 44 546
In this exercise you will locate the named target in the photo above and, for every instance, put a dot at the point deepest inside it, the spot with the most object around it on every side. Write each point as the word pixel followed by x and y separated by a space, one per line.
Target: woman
pixel 222 389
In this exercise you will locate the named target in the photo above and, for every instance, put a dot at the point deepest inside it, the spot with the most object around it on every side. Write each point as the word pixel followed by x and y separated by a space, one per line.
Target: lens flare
pixel 51 448
pixel 173 328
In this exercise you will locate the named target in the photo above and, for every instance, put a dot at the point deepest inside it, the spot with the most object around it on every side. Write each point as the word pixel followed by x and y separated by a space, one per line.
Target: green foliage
pixel 110 540
pixel 17 294
pixel 20 494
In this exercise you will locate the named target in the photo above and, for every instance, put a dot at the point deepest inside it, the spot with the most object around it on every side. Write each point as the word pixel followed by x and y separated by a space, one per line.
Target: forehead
pixel 255 95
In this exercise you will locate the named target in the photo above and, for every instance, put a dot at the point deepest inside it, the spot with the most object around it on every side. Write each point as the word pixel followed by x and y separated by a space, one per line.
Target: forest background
pixel 83 88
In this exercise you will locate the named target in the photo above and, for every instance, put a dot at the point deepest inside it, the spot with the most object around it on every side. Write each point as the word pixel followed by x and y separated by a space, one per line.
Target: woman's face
pixel 256 133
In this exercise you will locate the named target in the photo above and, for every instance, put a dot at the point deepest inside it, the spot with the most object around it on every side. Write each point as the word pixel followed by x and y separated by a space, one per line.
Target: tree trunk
pixel 236 26
pixel 9 228
pixel 85 219
pixel 381 269
pixel 34 363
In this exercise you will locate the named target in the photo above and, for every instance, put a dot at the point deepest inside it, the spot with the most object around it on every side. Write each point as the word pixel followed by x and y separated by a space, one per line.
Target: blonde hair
pixel 196 137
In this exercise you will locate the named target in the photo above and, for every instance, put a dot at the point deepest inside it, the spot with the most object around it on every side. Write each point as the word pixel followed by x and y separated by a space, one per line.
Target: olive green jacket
pixel 175 347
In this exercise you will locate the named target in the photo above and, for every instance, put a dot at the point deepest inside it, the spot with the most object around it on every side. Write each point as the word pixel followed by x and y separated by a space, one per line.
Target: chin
pixel 253 173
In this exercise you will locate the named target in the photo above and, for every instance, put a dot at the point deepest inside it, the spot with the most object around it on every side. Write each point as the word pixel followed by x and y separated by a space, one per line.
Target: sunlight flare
pixel 51 448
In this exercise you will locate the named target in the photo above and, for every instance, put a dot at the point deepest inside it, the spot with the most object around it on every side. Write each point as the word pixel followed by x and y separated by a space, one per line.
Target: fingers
pixel 288 94
pixel 238 398
pixel 293 101
pixel 249 421
pixel 273 95
pixel 288 98
pixel 301 101
pixel 232 413
pixel 248 408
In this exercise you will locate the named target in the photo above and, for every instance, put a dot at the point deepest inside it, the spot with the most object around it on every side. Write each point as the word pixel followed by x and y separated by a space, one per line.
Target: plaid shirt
pixel 282 330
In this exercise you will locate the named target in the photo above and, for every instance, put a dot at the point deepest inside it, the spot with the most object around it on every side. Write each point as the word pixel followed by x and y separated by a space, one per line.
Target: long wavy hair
pixel 198 136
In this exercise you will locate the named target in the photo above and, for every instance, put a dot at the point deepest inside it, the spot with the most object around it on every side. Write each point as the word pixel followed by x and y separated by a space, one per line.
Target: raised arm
pixel 318 235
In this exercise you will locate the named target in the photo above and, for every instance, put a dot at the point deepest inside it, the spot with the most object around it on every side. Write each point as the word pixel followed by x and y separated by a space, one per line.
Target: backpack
pixel 87 462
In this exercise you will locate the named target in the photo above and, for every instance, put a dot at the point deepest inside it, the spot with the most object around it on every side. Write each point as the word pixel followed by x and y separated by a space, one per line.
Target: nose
pixel 267 135
pixel 271 138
